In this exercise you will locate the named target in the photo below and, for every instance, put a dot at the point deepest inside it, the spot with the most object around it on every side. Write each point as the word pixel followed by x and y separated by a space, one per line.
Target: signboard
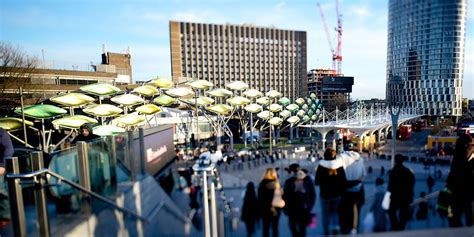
pixel 337 84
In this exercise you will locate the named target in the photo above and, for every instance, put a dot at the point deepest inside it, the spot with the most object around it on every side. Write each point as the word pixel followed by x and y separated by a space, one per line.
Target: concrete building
pixel 326 84
pixel 264 57
pixel 425 55
pixel 40 84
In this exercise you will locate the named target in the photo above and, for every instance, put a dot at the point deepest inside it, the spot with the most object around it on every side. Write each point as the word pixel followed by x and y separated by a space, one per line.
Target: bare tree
pixel 339 101
pixel 15 72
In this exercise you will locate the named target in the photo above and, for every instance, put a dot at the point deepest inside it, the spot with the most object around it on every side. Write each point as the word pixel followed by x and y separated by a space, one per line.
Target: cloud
pixel 360 11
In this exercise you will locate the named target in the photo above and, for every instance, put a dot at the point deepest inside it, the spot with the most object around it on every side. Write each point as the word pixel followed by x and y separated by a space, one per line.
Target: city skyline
pixel 72 34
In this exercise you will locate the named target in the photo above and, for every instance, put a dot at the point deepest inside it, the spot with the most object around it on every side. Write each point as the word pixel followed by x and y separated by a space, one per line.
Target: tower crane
pixel 337 52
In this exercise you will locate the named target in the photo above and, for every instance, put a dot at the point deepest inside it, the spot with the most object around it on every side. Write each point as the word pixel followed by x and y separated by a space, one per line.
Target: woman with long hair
pixel 270 214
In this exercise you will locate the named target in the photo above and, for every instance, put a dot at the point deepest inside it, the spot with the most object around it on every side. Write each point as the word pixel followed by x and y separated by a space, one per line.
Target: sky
pixel 70 34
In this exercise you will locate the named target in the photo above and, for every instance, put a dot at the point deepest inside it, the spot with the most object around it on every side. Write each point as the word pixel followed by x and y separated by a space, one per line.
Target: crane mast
pixel 337 52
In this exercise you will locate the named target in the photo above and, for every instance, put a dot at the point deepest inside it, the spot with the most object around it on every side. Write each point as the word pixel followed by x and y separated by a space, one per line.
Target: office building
pixel 265 58
pixel 425 55
pixel 325 84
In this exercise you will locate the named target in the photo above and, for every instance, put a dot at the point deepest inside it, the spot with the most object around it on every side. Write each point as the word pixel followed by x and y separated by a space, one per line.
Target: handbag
pixel 277 200
pixel 386 201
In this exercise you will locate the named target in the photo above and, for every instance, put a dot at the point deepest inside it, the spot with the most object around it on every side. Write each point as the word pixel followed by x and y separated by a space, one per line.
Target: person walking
pixel 6 151
pixel 270 214
pixel 250 209
pixel 460 182
pixel 299 196
pixel 332 180
pixel 354 196
pixel 401 186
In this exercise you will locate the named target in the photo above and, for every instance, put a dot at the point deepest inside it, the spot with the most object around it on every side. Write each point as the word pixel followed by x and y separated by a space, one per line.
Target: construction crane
pixel 336 53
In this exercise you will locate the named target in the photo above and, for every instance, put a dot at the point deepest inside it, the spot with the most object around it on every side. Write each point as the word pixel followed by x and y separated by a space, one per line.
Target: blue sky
pixel 71 33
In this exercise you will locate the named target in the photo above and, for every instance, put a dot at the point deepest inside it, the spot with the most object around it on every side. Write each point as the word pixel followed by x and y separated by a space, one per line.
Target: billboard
pixel 337 84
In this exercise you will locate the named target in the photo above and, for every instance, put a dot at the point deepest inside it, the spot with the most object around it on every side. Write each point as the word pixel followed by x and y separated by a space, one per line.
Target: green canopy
pixel 237 85
pixel 201 100
pixel 312 95
pixel 102 110
pixel 164 100
pixel 180 92
pixel 263 100
pixel 305 107
pixel 74 122
pixel 128 99
pixel 148 109
pixel 100 89
pixel 293 120
pixel 146 90
pixel 107 130
pixel 300 101
pixel 221 109
pixel 285 114
pixel 238 101
pixel 253 108
pixel 273 94
pixel 13 124
pixel 252 93
pixel 42 111
pixel 301 113
pixel 275 121
pixel 306 118
pixel 72 99
pixel 265 115
pixel 200 84
pixel 162 83
pixel 284 101
pixel 220 92
pixel 314 118
pixel 275 108
pixel 129 120
pixel 292 107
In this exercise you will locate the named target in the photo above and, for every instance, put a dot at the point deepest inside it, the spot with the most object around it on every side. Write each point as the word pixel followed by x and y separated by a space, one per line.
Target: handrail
pixel 80 188
pixel 421 199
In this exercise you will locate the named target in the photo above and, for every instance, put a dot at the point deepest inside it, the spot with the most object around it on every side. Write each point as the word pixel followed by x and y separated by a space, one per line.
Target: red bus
pixel 404 132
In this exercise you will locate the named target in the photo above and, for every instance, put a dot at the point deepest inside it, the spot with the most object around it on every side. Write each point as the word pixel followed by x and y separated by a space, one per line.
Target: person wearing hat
pixel 85 134
pixel 299 196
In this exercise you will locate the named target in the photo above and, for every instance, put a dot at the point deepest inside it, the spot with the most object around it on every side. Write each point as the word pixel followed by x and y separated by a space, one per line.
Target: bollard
pixel 221 224
pixel 40 195
pixel 141 135
pixel 84 175
pixel 131 155
pixel 213 210
pixel 17 209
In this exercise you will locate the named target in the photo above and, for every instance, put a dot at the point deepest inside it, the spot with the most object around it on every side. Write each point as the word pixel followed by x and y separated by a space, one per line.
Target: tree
pixel 15 72
pixel 339 101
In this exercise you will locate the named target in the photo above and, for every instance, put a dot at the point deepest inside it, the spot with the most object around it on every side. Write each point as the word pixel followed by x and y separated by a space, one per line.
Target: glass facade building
pixel 266 58
pixel 425 55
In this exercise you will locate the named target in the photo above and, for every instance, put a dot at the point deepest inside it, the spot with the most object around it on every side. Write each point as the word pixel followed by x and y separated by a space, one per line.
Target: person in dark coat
pixel 6 151
pixel 300 196
pixel 270 214
pixel 460 182
pixel 401 186
pixel 331 178
pixel 86 134
pixel 250 209
pixel 430 183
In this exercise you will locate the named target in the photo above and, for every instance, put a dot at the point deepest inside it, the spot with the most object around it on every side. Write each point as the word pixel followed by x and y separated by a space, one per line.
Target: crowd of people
pixel 340 179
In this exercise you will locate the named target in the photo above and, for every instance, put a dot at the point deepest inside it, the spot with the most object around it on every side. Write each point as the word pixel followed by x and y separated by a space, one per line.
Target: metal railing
pixel 14 177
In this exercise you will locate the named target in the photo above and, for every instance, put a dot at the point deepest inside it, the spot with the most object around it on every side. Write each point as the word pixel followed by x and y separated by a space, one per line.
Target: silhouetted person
pixel 331 178
pixel 430 183
pixel 422 213
pixel 85 134
pixel 401 184
pixel 300 196
pixel 382 171
pixel 460 182
pixel 250 209
pixel 6 151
